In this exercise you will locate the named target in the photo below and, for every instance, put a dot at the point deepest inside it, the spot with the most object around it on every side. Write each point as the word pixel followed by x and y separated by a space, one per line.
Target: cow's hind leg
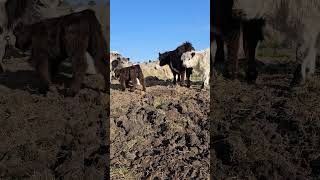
pixel 219 55
pixel 102 66
pixel 76 48
pixel 231 64
pixel 307 53
pixel 141 79
pixel 133 76
pixel 42 67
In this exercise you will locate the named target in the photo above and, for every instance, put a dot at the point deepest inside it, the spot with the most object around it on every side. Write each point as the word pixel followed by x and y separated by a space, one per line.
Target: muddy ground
pixel 267 130
pixel 51 137
pixel 159 134
pixel 260 131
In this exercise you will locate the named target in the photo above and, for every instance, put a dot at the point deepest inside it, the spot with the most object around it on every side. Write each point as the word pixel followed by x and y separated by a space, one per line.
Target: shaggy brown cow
pixel 128 74
pixel 70 36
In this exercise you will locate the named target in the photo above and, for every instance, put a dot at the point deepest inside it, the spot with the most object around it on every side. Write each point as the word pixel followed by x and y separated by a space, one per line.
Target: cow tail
pixel 97 46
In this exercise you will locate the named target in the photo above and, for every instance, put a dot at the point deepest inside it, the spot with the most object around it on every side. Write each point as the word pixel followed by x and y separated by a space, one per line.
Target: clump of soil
pixel 163 133
pixel 267 130
pixel 51 137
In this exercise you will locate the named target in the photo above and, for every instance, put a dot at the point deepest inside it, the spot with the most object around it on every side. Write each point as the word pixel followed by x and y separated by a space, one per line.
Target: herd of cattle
pixel 182 61
pixel 230 19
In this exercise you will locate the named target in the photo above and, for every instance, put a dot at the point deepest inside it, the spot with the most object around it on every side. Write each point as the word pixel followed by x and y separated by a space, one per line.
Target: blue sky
pixel 85 1
pixel 140 29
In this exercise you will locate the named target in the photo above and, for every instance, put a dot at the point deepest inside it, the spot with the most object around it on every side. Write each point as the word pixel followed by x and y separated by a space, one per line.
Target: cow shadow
pixel 155 81
pixel 21 79
pixel 28 80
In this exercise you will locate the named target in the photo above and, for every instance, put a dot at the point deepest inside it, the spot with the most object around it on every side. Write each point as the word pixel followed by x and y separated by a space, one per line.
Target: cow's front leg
pixel 250 45
pixel 2 52
pixel 42 68
pixel 206 78
pixel 123 84
pixel 231 64
pixel 219 54
pixel 182 74
pixel 305 55
pixel 188 74
pixel 174 78
pixel 79 66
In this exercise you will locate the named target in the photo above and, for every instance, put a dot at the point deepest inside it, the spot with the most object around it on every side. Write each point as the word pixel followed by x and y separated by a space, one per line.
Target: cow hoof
pixel 183 84
pixel 69 93
pixel 226 74
pixel 251 77
pixel 295 82
pixel 297 77
pixel 1 69
pixel 172 86
pixel 219 66
pixel 44 89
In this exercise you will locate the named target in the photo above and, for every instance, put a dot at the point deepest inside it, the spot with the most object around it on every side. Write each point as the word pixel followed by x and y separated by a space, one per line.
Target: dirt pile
pixel 161 133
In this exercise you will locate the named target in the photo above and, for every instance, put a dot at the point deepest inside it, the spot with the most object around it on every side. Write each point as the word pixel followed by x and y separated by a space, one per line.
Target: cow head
pixel 164 59
pixel 187 59
pixel 114 64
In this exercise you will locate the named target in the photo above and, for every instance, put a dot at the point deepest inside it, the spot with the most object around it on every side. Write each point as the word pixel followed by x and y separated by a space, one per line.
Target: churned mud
pixel 267 130
pixel 52 136
pixel 162 133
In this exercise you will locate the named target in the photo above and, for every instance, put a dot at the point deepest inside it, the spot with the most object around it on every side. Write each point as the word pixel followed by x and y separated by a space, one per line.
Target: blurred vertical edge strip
pixel 211 94
pixel 107 168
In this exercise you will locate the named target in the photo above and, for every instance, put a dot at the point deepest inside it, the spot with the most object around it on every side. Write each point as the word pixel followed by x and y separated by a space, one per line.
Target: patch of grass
pixel 272 52
pixel 195 77
pixel 121 172
pixel 157 101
